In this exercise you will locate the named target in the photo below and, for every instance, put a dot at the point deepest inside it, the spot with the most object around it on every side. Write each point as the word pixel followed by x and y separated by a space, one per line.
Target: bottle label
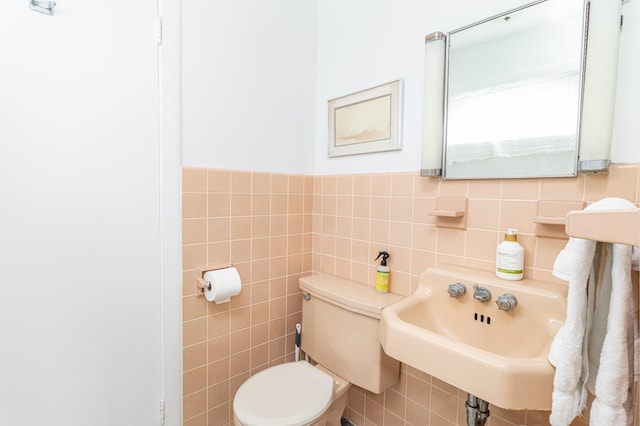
pixel 509 263
pixel 382 282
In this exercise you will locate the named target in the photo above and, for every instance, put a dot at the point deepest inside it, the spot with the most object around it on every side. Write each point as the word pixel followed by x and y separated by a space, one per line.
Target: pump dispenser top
pixel 383 272
pixel 511 235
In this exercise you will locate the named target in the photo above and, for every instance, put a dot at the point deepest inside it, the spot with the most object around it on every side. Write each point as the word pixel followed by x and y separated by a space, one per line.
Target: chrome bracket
pixel 594 166
pixel 42 6
pixel 430 172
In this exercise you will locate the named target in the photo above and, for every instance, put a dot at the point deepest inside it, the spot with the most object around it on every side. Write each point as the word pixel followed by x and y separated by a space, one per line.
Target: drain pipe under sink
pixel 477 411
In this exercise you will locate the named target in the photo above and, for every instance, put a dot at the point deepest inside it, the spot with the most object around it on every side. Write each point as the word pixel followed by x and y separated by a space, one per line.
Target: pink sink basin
pixel 498 356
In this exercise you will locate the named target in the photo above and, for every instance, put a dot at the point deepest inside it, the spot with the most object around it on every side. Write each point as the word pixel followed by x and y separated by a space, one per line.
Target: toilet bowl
pixel 340 321
pixel 292 394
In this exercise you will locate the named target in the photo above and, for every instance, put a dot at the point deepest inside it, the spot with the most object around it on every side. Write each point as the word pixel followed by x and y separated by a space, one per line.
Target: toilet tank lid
pixel 350 295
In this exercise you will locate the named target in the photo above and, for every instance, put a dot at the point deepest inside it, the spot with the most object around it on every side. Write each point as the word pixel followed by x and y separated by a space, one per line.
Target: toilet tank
pixel 340 321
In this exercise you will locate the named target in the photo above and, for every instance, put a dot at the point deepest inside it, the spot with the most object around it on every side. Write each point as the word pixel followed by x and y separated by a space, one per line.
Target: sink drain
pixel 482 318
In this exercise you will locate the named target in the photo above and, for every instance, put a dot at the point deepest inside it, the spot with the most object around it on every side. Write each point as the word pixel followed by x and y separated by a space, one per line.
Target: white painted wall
pixel 80 217
pixel 626 127
pixel 248 84
pixel 362 44
pixel 257 77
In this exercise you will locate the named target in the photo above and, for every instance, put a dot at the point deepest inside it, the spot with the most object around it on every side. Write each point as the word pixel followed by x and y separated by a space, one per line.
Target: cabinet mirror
pixel 513 93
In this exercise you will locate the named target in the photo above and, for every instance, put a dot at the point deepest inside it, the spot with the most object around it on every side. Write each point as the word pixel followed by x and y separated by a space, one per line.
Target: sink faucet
pixel 507 302
pixel 457 290
pixel 481 293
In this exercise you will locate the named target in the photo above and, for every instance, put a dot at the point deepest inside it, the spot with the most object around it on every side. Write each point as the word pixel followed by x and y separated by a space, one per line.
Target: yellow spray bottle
pixel 382 274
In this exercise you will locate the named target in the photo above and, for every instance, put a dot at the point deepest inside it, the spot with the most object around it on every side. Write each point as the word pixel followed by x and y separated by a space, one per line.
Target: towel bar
pixel 610 226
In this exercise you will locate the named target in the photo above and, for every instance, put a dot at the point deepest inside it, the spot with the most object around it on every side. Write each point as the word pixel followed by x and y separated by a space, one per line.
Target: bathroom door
pixel 80 337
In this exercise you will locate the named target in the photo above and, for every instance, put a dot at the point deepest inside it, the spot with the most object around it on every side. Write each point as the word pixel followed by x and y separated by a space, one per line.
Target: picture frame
pixel 366 121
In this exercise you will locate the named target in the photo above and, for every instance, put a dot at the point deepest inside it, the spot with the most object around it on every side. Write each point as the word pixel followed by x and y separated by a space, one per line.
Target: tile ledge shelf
pixel 450 213
pixel 551 217
pixel 446 213
pixel 550 220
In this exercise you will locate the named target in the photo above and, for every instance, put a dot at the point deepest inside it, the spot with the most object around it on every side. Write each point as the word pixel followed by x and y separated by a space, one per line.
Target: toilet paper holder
pixel 201 284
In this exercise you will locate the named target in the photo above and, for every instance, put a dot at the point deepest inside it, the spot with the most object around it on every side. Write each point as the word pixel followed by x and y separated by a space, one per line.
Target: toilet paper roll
pixel 223 283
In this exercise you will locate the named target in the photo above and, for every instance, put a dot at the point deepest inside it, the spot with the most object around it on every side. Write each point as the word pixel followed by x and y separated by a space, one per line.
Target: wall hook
pixel 42 6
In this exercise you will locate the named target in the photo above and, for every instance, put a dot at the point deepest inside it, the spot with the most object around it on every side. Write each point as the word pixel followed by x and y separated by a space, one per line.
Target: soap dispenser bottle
pixel 510 257
pixel 382 274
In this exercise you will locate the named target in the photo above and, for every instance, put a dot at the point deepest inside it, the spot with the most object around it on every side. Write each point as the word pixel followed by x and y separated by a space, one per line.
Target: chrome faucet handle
pixel 507 302
pixel 457 290
pixel 481 293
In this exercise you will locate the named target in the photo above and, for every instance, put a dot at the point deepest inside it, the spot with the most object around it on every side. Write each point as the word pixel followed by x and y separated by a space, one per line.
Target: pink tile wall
pixel 275 228
pixel 260 223
pixel 355 216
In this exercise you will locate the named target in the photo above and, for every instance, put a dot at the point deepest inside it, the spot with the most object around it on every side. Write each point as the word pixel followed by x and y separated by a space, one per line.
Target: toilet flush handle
pixel 307 296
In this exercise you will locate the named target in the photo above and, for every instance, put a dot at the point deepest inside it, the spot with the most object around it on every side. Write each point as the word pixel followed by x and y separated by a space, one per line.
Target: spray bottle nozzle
pixel 385 255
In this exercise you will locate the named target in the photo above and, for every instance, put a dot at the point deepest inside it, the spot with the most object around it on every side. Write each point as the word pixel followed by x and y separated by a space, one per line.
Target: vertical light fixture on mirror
pixel 600 85
pixel 433 112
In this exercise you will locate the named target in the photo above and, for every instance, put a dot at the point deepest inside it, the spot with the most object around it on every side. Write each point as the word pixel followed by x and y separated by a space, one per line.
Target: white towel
pixel 569 397
pixel 612 390
pixel 596 332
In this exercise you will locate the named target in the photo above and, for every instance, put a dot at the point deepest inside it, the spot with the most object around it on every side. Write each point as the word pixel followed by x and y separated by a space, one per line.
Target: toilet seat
pixel 291 394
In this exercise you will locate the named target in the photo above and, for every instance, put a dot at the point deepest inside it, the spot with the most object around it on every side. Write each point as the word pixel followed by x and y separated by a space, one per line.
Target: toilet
pixel 340 320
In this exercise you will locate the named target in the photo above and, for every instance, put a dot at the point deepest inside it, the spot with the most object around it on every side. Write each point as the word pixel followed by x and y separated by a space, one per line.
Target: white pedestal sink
pixel 500 357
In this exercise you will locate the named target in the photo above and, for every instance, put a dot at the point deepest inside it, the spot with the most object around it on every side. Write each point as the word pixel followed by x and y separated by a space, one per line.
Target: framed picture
pixel 366 121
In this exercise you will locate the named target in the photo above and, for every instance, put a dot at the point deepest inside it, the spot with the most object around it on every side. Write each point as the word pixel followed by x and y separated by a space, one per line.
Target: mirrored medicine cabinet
pixel 526 93
pixel 513 93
